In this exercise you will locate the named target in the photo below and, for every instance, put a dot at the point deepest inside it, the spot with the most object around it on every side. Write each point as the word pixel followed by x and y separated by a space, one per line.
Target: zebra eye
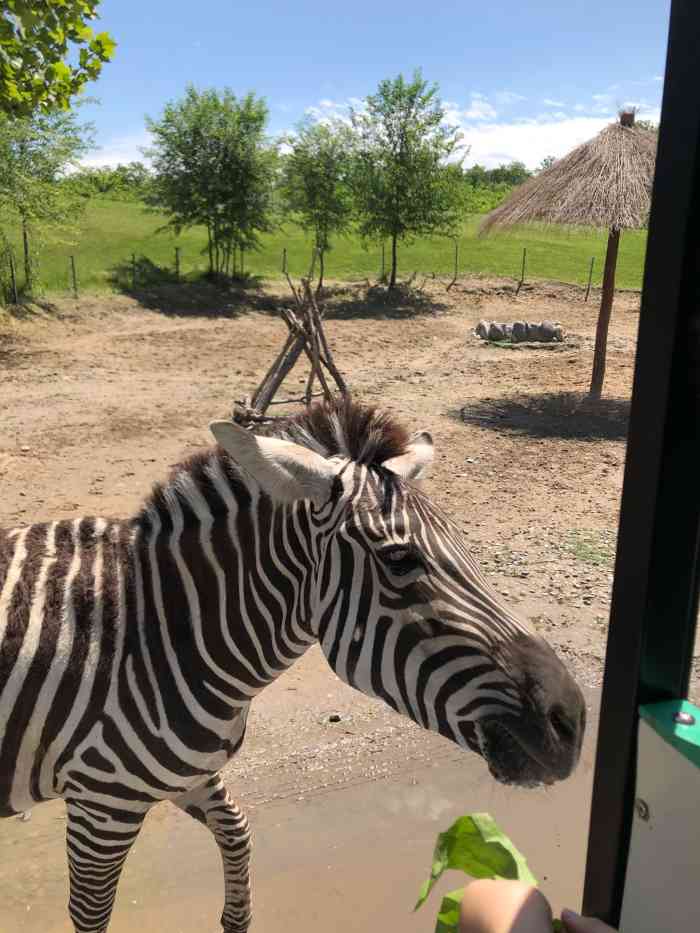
pixel 401 558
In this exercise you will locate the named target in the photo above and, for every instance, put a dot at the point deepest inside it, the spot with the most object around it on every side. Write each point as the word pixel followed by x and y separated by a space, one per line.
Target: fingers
pixel 574 923
pixel 495 906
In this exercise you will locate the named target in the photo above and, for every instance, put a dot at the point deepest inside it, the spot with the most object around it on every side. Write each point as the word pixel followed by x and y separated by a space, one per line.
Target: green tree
pixel 36 155
pixel 128 182
pixel 401 182
pixel 315 183
pixel 214 166
pixel 547 162
pixel 36 39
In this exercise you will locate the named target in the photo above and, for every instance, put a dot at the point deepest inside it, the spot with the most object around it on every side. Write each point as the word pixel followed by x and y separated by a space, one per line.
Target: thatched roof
pixel 605 182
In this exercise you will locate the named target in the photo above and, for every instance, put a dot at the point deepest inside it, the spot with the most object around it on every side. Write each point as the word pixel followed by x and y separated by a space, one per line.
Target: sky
pixel 523 79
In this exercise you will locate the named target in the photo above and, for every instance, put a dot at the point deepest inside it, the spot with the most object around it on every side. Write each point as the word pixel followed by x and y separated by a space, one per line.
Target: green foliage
pixel 36 153
pixel 213 167
pixel 36 39
pixel 128 182
pixel 315 182
pixel 110 231
pixel 402 186
pixel 509 174
pixel 476 845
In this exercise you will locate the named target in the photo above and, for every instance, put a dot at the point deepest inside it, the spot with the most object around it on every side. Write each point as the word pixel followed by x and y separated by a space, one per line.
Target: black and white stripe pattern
pixel 131 651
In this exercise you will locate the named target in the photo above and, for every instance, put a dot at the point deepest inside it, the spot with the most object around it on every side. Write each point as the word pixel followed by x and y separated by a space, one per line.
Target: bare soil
pixel 99 396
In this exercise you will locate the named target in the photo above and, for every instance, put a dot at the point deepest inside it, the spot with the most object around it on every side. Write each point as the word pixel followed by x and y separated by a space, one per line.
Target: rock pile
pixel 520 332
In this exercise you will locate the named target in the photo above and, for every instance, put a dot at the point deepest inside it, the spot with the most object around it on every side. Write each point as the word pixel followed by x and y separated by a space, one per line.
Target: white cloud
pixel 579 108
pixel 528 141
pixel 327 104
pixel 479 109
pixel 548 102
pixel 504 98
pixel 118 150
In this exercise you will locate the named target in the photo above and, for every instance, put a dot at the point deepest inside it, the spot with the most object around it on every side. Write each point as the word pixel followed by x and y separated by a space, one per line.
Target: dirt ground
pixel 99 396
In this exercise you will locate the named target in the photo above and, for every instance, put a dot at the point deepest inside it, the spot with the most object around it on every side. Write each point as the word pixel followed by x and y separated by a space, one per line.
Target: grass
pixel 591 547
pixel 111 231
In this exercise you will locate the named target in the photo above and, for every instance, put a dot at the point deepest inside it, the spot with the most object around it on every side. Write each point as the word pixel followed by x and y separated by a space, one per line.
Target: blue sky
pixel 523 78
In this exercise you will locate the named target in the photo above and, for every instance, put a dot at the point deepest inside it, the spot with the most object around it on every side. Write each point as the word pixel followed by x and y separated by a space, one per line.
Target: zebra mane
pixel 345 428
pixel 340 427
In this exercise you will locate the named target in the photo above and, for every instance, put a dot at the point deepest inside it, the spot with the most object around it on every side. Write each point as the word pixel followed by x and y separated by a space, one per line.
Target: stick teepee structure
pixel 604 183
pixel 306 335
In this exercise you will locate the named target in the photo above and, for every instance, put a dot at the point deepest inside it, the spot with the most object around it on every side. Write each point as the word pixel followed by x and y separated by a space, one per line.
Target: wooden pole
pixel 606 303
pixel 383 275
pixel 74 277
pixel 177 263
pixel 284 260
pixel 13 277
pixel 454 277
pixel 522 272
pixel 590 279
pixel 133 270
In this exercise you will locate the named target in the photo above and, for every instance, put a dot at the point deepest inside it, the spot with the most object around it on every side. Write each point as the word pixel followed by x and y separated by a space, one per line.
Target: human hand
pixel 499 906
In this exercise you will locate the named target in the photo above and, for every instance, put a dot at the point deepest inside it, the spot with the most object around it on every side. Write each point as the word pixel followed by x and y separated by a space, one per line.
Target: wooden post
pixel 522 272
pixel 606 303
pixel 284 260
pixel 13 276
pixel 133 270
pixel 74 277
pixel 177 263
pixel 383 275
pixel 454 277
pixel 590 279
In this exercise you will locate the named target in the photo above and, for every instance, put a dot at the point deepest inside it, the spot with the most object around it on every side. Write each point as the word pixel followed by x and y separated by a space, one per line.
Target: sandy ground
pixel 99 397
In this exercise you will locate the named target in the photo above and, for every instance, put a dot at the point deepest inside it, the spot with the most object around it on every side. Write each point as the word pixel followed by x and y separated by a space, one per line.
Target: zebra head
pixel 400 608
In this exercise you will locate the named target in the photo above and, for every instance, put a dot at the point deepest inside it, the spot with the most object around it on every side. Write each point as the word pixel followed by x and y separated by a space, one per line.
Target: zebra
pixel 131 650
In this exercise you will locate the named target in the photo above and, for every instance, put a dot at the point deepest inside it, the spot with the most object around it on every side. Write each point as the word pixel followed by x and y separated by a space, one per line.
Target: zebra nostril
pixel 563 727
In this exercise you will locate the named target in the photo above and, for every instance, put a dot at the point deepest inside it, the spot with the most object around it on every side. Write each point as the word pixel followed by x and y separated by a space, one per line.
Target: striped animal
pixel 130 651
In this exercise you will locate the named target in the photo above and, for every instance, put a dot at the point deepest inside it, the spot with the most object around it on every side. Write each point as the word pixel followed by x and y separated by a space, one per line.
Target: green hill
pixel 113 231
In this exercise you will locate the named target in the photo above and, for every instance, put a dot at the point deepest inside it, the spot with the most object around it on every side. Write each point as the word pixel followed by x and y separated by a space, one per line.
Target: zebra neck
pixel 229 582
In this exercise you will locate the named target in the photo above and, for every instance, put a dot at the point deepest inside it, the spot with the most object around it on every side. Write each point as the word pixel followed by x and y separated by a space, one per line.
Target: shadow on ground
pixel 557 414
pixel 156 288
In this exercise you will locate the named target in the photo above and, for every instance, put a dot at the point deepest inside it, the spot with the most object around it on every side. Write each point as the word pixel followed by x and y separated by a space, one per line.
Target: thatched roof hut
pixel 603 183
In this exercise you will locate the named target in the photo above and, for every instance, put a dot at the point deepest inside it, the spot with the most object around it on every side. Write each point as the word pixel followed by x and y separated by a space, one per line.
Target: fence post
pixel 284 260
pixel 13 276
pixel 590 278
pixel 522 273
pixel 74 277
pixel 133 270
pixel 383 275
pixel 177 263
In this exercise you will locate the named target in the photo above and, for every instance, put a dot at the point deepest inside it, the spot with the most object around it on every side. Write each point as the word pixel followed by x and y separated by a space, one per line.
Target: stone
pixel 482 330
pixel 519 331
pixel 496 332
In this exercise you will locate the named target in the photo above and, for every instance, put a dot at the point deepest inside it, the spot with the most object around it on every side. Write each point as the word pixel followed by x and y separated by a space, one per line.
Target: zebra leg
pixel 98 840
pixel 211 805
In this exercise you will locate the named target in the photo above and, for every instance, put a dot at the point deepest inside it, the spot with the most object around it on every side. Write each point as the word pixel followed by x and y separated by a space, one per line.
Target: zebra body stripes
pixel 130 651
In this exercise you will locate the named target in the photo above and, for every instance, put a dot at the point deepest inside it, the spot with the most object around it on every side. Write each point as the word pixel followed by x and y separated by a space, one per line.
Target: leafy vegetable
pixel 476 845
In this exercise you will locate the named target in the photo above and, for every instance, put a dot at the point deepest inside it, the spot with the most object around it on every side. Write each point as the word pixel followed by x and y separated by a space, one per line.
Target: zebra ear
pixel 285 471
pixel 414 464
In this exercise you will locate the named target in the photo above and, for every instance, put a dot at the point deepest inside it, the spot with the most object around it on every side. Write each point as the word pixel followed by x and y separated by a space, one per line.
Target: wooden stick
pixel 454 278
pixel 590 279
pixel 522 274
pixel 74 277
pixel 383 275
pixel 133 270
pixel 329 361
pixel 284 260
pixel 177 263
pixel 294 401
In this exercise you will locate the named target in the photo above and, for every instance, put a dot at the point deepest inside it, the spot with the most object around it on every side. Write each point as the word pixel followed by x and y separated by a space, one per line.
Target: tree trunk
pixel 321 269
pixel 28 284
pixel 211 250
pixel 392 278
pixel 606 303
